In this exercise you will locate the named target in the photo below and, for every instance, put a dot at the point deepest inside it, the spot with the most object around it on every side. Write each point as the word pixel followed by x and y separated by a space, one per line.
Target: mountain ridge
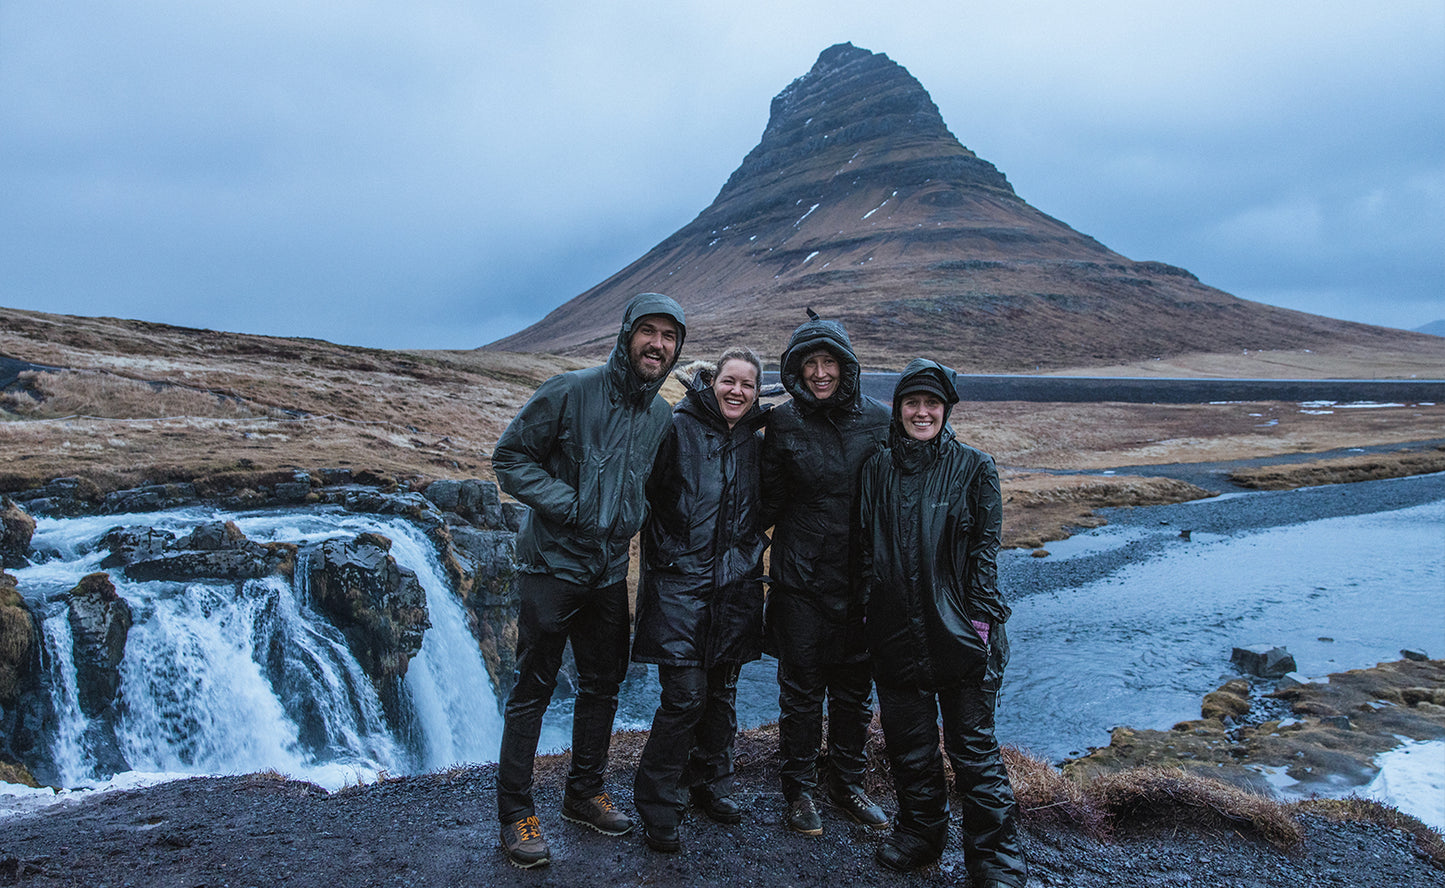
pixel 859 202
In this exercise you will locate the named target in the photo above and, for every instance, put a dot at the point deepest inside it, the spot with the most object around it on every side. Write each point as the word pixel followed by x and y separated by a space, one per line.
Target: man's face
pixel 653 346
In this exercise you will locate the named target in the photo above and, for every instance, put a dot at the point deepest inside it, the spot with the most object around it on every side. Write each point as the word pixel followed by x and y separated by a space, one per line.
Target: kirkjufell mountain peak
pixel 860 203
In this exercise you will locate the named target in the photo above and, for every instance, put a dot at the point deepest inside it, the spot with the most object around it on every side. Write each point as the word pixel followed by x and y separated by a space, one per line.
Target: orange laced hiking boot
pixel 524 844
pixel 597 812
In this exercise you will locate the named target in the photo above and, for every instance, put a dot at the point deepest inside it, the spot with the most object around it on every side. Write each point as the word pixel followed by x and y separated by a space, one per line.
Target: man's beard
pixel 650 375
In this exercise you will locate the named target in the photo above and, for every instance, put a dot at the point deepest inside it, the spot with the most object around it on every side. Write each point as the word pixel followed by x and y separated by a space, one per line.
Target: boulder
pixel 16 530
pixel 1263 660
pixel 213 551
pixel 100 620
pixel 379 606
pixel 446 494
pixel 1418 656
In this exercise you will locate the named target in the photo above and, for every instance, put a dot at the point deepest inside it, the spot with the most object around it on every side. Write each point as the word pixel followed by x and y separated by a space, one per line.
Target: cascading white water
pixel 228 678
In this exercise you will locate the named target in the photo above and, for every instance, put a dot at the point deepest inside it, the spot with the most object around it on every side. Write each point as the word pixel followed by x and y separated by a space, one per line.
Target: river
pixel 1127 624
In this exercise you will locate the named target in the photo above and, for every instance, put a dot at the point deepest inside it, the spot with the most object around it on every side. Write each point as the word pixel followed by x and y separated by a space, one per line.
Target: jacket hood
pixel 620 362
pixel 813 334
pixel 942 379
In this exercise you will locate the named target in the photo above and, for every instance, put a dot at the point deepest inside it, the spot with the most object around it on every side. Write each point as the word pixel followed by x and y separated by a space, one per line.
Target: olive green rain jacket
pixel 579 453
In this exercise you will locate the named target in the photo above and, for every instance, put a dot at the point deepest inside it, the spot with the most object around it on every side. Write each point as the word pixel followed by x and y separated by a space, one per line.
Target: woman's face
pixel 736 387
pixel 922 416
pixel 820 374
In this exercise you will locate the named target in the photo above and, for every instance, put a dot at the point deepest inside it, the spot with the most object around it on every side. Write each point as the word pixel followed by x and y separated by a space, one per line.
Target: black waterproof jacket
pixel 812 453
pixel 700 600
pixel 579 453
pixel 931 516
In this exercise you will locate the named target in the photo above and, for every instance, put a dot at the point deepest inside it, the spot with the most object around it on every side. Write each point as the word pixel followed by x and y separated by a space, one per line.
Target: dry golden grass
pixel 1366 467
pixel 1047 796
pixel 1149 795
pixel 102 395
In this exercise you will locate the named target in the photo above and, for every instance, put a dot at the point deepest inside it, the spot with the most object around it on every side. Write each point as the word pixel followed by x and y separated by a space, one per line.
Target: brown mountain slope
pixel 859 202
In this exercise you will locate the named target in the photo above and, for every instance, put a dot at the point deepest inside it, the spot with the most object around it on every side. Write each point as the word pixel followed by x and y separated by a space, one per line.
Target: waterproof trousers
pixel 910 719
pixel 596 620
pixel 691 743
pixel 813 668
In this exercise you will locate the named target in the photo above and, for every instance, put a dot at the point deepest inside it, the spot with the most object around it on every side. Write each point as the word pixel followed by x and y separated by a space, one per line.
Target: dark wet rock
pixel 151 498
pixel 1263 660
pixel 100 620
pixel 1413 654
pixel 213 551
pixel 16 530
pixel 479 564
pixel 446 493
pixel 62 497
pixel 379 606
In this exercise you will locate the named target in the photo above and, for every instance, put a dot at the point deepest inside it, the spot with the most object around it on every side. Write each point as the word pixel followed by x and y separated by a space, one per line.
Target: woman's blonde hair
pixel 740 353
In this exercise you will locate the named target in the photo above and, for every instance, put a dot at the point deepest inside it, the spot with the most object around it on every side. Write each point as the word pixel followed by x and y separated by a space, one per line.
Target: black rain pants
pixel 989 817
pixel 597 622
pixel 691 743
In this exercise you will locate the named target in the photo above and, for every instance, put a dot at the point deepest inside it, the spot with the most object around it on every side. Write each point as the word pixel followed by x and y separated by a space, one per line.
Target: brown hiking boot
pixel 597 812
pixel 524 844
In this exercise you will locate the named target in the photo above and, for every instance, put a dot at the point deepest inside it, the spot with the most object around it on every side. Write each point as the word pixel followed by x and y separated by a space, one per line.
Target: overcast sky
pixel 436 174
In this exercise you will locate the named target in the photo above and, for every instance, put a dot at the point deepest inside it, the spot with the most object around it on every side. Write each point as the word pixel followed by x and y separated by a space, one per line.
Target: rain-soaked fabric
pixel 700 599
pixel 579 453
pixel 931 516
pixel 691 742
pixel 989 815
pixel 812 453
pixel 595 620
pixel 931 519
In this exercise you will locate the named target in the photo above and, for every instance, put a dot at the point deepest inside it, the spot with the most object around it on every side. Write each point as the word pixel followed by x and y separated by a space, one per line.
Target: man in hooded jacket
pixel 813 449
pixel 579 453
pixel 931 518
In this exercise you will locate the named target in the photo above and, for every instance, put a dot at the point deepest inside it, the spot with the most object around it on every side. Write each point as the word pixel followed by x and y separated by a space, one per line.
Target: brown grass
pixel 99 394
pixel 1366 467
pixel 1151 795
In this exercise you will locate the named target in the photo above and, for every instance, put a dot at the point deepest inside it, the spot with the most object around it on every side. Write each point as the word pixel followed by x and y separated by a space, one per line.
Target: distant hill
pixel 860 203
pixel 1434 328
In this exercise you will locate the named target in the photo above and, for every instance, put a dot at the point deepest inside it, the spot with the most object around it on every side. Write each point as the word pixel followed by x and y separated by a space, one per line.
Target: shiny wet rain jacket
pixel 700 601
pixel 579 453
pixel 931 519
pixel 812 453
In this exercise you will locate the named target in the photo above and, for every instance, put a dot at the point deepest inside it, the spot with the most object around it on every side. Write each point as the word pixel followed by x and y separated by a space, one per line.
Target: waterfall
pixel 221 677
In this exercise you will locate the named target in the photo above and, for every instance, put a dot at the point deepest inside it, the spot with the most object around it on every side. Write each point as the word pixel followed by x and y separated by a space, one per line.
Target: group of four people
pixel 883 570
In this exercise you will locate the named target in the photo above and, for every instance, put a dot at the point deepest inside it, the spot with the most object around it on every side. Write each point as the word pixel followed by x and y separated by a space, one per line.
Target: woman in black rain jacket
pixel 814 448
pixel 700 601
pixel 931 518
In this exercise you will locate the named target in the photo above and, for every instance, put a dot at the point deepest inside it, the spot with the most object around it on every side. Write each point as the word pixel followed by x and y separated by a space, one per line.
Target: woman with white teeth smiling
pixel 700 600
pixel 931 519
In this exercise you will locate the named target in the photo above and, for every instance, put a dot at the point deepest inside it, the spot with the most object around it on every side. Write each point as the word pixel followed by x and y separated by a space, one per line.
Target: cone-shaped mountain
pixel 860 203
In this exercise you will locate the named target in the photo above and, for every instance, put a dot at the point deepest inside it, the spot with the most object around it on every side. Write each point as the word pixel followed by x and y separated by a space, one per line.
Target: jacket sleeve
pixel 984 540
pixel 520 459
